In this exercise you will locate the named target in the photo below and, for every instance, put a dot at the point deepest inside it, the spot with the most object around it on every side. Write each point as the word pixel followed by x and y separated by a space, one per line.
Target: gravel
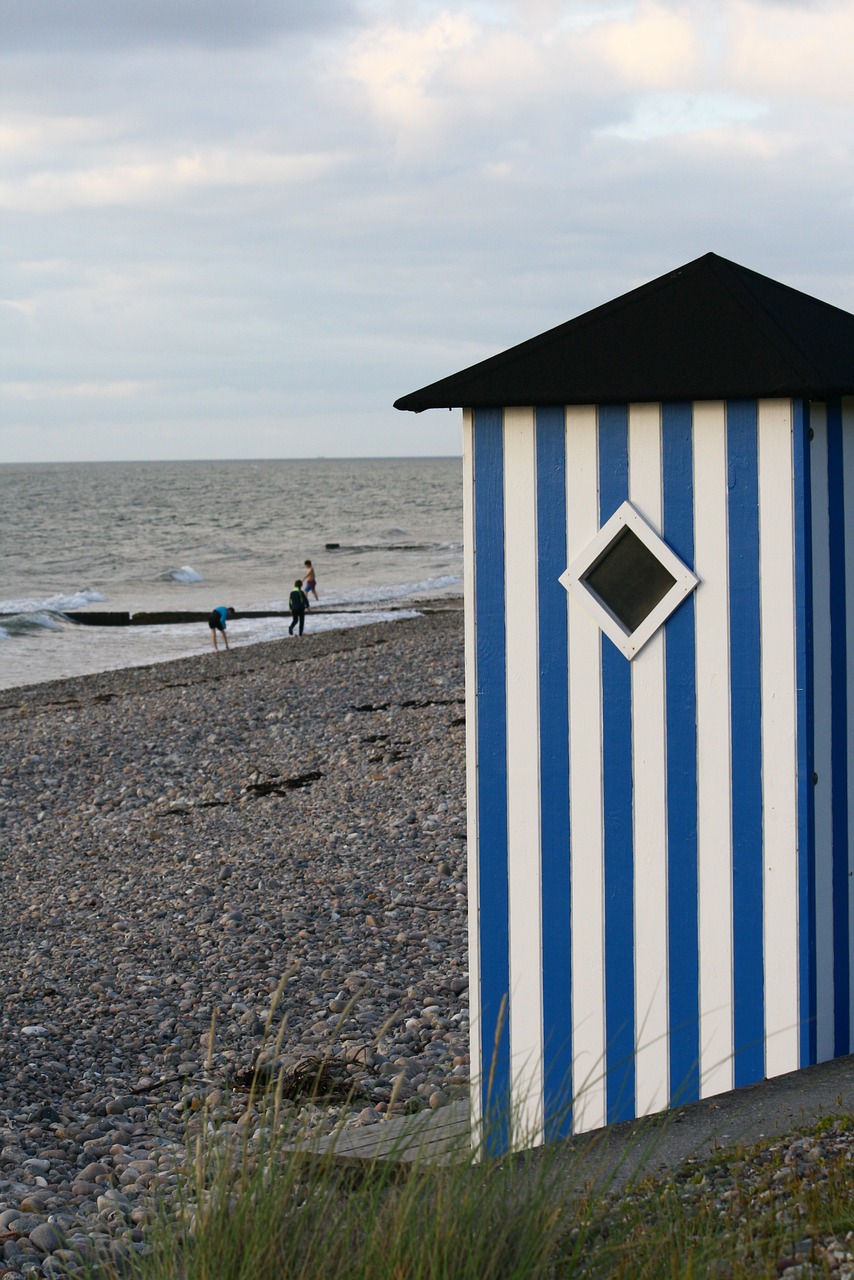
pixel 180 843
pixel 773 1186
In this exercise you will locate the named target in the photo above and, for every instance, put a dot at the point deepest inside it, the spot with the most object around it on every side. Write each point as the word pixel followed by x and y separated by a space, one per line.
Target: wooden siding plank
pixel 746 712
pixel 585 755
pixel 779 735
pixel 822 712
pixel 681 712
pixel 473 860
pixel 805 750
pixel 714 778
pixel 822 790
pixel 649 766
pixel 839 728
pixel 847 424
pixel 492 854
pixel 553 604
pixel 523 776
pixel 617 806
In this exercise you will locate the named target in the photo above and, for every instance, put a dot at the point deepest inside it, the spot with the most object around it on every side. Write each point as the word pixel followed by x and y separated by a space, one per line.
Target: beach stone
pixel 24 1223
pixel 46 1237
pixel 118 1106
pixel 33 1203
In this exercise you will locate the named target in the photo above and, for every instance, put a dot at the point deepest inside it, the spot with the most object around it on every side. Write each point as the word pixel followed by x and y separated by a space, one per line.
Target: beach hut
pixel 659 531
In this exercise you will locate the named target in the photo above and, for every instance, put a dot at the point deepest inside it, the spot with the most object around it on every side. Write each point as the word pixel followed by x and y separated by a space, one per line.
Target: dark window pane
pixel 629 579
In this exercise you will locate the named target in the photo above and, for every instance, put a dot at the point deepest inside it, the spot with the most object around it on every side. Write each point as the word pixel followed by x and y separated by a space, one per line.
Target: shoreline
pixel 187 644
pixel 181 835
pixel 167 617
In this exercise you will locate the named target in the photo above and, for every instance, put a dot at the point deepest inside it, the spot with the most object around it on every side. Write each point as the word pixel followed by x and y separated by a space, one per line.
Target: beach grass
pixel 265 1208
pixel 255 1206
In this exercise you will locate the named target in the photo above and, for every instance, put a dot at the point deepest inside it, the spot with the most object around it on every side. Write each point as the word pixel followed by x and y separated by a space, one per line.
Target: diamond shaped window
pixel 629 580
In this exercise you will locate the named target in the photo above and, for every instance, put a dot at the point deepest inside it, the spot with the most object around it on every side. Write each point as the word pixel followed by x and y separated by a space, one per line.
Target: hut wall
pixel 643 869
pixel 832 595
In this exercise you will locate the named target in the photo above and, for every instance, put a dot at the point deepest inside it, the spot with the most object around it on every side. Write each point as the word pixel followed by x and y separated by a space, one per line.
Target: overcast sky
pixel 242 229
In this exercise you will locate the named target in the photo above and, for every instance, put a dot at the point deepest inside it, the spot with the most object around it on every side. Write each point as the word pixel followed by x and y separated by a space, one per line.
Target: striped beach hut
pixel 659 527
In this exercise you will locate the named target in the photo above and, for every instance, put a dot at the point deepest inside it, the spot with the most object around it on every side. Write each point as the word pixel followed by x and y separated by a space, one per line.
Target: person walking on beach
pixel 217 622
pixel 297 603
pixel 309 581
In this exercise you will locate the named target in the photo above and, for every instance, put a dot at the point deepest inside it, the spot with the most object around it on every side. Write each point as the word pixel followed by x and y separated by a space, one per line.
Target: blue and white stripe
pixel 649 855
pixel 831 530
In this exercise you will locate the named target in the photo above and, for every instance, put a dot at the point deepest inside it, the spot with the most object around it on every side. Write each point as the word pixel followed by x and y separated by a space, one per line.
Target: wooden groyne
pixel 161 617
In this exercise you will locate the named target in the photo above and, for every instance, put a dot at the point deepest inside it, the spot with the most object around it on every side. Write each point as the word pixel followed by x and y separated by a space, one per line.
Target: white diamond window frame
pixel 573 579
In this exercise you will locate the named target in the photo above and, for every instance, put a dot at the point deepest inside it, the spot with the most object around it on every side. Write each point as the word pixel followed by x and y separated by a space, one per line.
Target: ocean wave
pixel 53 604
pixel 21 624
pixel 363 548
pixel 185 574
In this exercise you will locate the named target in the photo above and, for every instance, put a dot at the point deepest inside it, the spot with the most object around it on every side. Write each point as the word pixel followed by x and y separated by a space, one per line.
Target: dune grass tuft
pixel 254 1206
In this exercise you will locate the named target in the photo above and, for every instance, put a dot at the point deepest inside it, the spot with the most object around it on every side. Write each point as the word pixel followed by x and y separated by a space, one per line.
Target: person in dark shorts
pixel 217 622
pixel 309 582
pixel 297 603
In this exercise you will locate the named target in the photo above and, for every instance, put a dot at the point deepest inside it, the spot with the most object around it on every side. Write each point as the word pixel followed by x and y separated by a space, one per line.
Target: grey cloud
pixel 230 307
pixel 48 25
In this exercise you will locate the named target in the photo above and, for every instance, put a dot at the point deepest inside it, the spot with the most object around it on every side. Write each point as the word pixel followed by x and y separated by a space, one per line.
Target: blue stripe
pixel 554 770
pixel 807 997
pixel 491 677
pixel 838 727
pixel 746 718
pixel 681 711
pixel 617 798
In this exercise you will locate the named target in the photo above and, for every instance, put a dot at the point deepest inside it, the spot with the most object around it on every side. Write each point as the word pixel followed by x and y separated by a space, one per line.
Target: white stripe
pixel 823 790
pixel 649 766
pixel 523 776
pixel 779 735
pixel 714 787
pixel 585 775
pixel 848 489
pixel 476 1065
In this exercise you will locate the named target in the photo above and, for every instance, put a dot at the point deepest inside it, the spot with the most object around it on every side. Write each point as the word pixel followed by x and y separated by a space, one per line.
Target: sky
pixel 242 230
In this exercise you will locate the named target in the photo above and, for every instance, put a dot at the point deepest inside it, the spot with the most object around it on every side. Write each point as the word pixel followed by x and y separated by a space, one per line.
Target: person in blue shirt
pixel 297 603
pixel 217 622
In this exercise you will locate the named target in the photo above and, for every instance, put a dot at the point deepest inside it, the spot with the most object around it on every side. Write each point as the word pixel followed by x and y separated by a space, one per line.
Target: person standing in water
pixel 217 622
pixel 297 603
pixel 309 581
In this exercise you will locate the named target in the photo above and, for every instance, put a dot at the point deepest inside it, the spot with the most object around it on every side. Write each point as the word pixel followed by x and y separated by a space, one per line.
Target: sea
pixel 383 535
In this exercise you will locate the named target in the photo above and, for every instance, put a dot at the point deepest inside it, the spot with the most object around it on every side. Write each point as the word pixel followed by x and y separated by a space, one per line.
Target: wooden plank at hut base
pixel 435 1137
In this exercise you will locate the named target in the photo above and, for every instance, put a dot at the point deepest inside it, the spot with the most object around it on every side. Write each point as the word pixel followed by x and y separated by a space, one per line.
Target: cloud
pixel 269 234
pixel 40 26
pixel 804 53
pixel 654 47
pixel 106 390
pixel 673 114
pixel 396 65
pixel 159 179
pixel 22 137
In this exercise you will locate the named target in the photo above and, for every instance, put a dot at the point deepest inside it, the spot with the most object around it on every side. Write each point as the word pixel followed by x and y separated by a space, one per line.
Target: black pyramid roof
pixel 710 330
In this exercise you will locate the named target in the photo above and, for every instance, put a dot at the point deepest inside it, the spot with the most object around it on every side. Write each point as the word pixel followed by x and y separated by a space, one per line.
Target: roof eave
pixel 418 403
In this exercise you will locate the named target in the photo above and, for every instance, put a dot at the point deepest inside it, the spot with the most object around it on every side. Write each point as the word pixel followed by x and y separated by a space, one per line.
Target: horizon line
pixel 359 457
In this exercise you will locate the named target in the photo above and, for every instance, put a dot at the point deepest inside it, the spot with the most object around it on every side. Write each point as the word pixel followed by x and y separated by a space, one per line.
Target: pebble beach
pixel 248 859
pixel 251 865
